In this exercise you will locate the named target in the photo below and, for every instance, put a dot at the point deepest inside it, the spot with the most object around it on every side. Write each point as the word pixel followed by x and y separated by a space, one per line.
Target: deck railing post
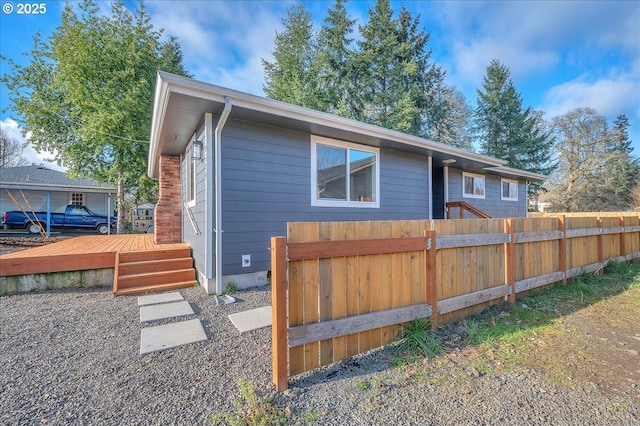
pixel 510 259
pixel 562 247
pixel 278 312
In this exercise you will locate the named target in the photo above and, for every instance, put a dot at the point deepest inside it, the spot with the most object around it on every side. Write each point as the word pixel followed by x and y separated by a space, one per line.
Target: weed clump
pixel 418 340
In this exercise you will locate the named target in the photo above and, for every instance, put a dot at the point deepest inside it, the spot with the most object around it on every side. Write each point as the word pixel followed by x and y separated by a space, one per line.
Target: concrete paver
pixel 161 337
pixel 153 299
pixel 165 310
pixel 252 319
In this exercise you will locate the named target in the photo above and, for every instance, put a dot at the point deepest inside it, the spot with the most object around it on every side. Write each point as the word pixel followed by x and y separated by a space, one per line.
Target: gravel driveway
pixel 71 357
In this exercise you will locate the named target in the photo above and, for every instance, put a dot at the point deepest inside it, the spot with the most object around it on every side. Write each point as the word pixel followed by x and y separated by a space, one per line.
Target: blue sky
pixel 562 54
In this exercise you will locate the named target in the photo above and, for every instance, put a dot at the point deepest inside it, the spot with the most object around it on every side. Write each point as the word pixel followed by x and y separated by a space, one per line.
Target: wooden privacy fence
pixel 341 288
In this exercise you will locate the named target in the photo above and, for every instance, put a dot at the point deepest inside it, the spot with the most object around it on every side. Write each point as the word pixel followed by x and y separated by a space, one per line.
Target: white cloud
pixel 222 42
pixel 610 96
pixel 13 130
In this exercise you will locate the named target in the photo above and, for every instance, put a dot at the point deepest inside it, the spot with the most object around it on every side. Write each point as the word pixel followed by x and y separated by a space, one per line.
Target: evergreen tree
pixel 623 169
pixel 292 76
pixel 334 59
pixel 87 93
pixel 393 74
pixel 387 79
pixel 507 131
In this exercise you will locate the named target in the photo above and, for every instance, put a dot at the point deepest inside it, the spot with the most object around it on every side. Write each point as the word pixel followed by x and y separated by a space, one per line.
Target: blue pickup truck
pixel 74 217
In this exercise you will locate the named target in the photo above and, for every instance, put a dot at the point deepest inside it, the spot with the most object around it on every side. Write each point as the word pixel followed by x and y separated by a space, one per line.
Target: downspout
pixel 430 195
pixel 446 188
pixel 218 190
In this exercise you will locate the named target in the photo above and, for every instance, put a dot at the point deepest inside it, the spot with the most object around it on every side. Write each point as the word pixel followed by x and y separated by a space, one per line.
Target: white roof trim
pixel 55 187
pixel 510 171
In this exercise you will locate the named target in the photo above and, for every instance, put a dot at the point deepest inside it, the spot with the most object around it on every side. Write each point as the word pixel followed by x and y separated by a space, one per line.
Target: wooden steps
pixel 139 272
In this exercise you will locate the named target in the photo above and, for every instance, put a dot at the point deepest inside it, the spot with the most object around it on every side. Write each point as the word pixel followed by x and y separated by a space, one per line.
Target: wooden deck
pixel 77 254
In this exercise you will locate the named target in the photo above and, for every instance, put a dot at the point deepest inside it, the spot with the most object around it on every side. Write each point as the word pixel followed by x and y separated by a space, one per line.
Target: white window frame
pixel 474 176
pixel 190 193
pixel 83 198
pixel 510 182
pixel 321 202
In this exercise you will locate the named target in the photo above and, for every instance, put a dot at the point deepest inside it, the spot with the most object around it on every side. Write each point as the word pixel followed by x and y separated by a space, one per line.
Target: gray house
pixel 234 168
pixel 41 186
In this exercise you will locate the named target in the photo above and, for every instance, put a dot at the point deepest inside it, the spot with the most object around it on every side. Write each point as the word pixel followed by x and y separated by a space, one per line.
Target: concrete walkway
pixel 167 306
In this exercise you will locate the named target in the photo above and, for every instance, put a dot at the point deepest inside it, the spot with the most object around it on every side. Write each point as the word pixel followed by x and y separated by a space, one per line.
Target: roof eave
pixel 170 83
pixel 510 171
pixel 45 186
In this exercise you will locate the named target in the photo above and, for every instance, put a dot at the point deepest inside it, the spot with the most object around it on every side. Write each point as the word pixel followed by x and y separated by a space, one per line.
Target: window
pixel 77 199
pixel 472 185
pixel 509 189
pixel 343 174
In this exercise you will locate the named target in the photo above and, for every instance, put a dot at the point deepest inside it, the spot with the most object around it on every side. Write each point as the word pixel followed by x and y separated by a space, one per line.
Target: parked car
pixel 74 217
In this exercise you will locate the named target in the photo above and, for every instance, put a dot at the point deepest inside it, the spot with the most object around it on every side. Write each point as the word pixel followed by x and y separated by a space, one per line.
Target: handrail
pixel 462 205
pixel 191 218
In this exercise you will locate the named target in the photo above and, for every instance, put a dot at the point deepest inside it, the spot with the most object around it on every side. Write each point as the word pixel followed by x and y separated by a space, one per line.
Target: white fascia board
pixel 510 171
pixel 171 83
pixel 53 187
pixel 159 112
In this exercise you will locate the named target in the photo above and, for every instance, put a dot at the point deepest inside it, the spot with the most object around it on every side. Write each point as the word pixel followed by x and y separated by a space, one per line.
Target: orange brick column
pixel 168 213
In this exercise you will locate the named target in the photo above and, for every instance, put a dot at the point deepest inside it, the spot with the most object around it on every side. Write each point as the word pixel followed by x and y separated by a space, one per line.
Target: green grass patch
pixel 232 287
pixel 505 327
pixel 252 410
pixel 255 410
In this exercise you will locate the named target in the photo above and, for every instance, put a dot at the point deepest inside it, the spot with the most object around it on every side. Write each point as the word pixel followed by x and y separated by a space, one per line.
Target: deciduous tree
pixel 87 92
pixel 595 171
pixel 11 151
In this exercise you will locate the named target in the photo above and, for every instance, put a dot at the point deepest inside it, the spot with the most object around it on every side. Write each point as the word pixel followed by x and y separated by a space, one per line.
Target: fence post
pixel 562 247
pixel 278 312
pixel 430 277
pixel 510 259
pixel 600 246
pixel 623 237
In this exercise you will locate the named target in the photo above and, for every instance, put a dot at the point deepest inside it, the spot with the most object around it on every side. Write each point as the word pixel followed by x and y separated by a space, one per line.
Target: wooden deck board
pixel 76 254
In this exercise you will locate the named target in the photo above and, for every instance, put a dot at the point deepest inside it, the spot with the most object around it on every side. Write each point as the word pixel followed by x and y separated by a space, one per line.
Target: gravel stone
pixel 71 357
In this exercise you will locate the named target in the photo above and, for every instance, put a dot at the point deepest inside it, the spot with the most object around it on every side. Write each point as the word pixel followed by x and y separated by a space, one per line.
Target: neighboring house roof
pixel 181 102
pixel 40 178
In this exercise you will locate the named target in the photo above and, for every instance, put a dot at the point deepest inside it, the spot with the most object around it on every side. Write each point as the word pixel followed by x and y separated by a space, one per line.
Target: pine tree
pixel 292 76
pixel 623 169
pixel 334 57
pixel 505 129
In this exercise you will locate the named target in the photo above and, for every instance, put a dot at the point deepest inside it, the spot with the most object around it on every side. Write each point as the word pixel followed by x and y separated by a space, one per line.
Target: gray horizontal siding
pixel 189 234
pixel 267 183
pixel 492 203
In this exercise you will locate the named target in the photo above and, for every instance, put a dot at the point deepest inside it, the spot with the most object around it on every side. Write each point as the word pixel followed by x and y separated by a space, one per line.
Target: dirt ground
pixel 599 344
